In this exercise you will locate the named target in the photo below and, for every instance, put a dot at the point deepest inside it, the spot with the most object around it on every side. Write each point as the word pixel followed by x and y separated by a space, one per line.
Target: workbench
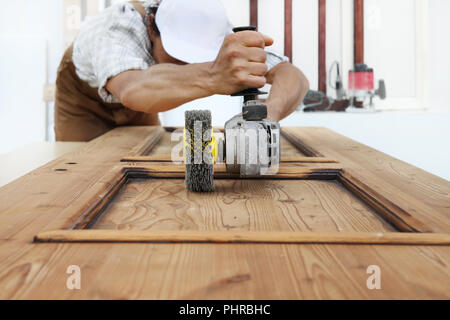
pixel 21 161
pixel 117 208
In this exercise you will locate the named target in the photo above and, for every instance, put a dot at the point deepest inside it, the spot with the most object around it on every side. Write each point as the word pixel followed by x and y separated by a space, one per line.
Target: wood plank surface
pixel 252 205
pixel 225 271
pixel 31 270
pixel 165 145
pixel 288 150
pixel 424 196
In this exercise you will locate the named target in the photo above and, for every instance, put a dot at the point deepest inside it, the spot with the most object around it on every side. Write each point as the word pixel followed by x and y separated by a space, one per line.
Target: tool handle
pixel 250 93
pixel 244 28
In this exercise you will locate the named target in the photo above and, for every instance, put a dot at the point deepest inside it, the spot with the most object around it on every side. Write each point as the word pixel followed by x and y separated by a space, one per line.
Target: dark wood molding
pixel 288 29
pixel 166 158
pixel 254 13
pixel 322 46
pixel 358 31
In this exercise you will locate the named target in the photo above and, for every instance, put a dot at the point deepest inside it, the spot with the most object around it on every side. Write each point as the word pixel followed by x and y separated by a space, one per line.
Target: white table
pixel 16 163
pixel 421 138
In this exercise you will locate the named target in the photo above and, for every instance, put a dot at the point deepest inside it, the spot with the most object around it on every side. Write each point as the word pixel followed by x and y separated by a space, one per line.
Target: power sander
pixel 250 145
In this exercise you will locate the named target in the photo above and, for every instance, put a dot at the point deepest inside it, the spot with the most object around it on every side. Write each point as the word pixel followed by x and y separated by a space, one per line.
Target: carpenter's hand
pixel 240 63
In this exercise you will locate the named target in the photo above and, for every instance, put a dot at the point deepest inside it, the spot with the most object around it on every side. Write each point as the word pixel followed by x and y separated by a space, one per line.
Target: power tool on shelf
pixel 360 88
pixel 250 145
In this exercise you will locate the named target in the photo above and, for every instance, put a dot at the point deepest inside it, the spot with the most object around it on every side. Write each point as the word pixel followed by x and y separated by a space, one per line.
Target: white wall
pixel 305 38
pixel 31 46
pixel 22 76
pixel 439 18
pixel 391 48
pixel 390 44
pixel 35 19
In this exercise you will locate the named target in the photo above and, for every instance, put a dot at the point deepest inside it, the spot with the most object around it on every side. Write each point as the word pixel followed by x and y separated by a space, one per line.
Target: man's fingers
pixel 254 39
pixel 255 81
pixel 257 69
pixel 268 40
pixel 255 55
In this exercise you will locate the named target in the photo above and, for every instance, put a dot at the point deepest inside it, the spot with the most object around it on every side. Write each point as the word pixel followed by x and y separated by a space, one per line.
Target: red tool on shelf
pixel 361 85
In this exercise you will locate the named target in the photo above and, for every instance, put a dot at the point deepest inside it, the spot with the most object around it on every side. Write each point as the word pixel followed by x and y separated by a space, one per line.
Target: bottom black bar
pixel 224 309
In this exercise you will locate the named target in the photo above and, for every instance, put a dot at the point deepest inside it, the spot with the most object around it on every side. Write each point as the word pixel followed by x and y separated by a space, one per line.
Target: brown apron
pixel 80 113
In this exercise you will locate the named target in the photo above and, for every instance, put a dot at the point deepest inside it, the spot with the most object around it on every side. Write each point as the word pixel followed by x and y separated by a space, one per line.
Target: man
pixel 134 60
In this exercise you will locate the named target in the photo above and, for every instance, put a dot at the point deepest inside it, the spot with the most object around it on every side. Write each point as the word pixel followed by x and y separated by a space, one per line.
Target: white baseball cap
pixel 192 31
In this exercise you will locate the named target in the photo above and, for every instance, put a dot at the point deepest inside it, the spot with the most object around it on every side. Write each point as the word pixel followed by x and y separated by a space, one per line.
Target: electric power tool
pixel 360 88
pixel 250 145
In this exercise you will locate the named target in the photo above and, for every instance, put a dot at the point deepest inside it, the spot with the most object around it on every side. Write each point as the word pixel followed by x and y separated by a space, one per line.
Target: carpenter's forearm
pixel 289 87
pixel 166 86
pixel 239 64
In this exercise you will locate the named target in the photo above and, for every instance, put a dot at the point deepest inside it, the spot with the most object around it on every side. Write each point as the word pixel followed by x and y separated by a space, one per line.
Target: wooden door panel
pixel 420 195
pixel 240 205
pixel 310 231
pixel 310 193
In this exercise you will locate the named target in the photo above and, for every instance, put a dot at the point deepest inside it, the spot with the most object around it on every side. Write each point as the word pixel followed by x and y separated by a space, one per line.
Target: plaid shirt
pixel 116 40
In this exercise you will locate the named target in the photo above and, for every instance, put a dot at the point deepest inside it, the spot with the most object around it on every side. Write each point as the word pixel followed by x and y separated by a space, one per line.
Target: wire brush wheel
pixel 198 151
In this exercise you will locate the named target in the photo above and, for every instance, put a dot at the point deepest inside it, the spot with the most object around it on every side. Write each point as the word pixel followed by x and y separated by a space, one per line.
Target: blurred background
pixel 405 42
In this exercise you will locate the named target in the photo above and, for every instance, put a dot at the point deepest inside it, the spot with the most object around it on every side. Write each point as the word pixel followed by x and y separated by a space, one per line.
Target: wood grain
pixel 422 196
pixel 298 144
pixel 190 236
pixel 289 150
pixel 165 145
pixel 387 209
pixel 225 271
pixel 32 203
pixel 148 144
pixel 253 205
